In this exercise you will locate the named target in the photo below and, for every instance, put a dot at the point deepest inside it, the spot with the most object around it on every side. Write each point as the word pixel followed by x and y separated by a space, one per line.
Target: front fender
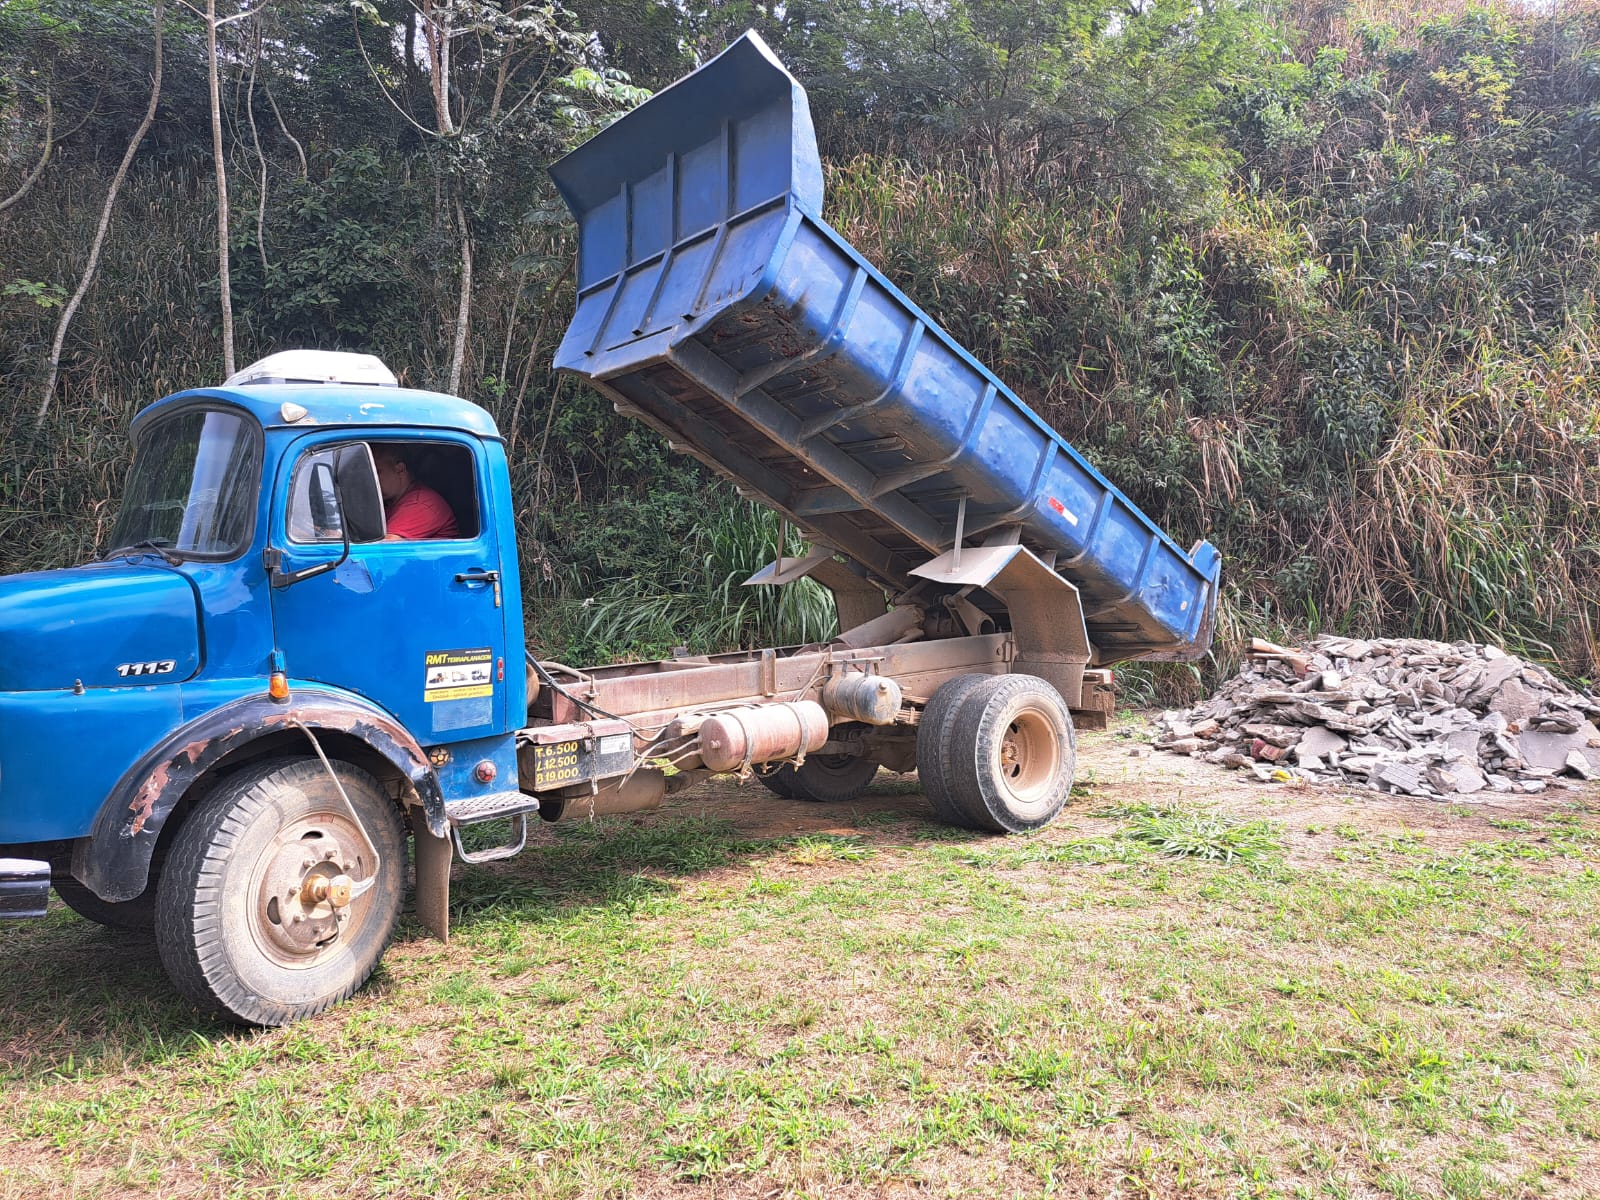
pixel 114 860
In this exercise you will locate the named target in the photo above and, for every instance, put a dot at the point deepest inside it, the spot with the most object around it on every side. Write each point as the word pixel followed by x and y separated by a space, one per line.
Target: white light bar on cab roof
pixel 315 366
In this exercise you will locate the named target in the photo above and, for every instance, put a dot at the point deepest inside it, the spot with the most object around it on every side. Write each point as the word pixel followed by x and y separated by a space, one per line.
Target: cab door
pixel 419 627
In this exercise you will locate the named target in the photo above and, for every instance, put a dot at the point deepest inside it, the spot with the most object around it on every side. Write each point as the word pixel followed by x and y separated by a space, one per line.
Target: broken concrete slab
pixel 1550 750
pixel 1580 766
pixel 1515 701
pixel 1319 742
pixel 1407 715
pixel 1460 778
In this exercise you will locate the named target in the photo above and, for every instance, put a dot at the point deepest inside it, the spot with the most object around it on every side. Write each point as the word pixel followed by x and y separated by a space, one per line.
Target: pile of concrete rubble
pixel 1434 719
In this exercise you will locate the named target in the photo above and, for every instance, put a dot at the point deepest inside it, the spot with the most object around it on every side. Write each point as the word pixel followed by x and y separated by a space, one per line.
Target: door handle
pixel 481 576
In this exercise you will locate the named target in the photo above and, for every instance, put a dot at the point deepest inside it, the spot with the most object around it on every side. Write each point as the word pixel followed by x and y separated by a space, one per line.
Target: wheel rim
pixel 302 913
pixel 1028 758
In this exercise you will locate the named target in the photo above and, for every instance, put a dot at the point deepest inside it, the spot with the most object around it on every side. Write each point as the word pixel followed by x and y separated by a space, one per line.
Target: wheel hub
pixel 305 889
pixel 1030 755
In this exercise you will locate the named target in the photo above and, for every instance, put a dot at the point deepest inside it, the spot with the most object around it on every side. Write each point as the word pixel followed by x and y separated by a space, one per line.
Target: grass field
pixel 1190 985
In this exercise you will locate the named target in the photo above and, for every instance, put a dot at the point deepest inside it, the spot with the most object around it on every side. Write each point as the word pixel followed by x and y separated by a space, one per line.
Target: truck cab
pixel 251 620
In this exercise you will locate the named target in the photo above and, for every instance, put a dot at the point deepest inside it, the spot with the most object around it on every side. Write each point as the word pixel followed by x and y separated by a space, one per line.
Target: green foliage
pixel 699 601
pixel 1208 836
pixel 44 295
pixel 335 277
pixel 1317 285
pixel 1032 96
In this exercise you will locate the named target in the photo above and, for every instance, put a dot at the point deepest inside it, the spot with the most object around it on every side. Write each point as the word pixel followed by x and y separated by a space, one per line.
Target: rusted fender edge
pixel 114 860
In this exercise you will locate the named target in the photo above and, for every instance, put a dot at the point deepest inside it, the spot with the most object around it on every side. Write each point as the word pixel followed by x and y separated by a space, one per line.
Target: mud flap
pixel 433 858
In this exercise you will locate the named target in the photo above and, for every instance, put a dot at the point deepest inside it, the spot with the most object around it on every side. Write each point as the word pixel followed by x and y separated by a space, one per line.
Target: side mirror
pixel 322 501
pixel 342 498
pixel 355 480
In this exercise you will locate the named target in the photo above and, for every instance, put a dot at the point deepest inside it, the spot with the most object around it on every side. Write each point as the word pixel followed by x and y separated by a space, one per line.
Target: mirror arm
pixel 273 557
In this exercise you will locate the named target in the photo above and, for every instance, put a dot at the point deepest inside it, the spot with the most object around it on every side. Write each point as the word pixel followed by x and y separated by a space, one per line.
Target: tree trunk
pixel 436 37
pixel 463 306
pixel 305 169
pixel 261 158
pixel 44 157
pixel 226 286
pixel 99 242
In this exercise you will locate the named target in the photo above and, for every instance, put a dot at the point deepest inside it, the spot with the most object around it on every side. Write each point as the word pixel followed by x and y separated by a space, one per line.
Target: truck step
pixel 476 810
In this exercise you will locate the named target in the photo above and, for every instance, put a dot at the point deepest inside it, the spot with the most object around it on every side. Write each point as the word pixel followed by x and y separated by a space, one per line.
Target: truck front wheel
pixel 270 907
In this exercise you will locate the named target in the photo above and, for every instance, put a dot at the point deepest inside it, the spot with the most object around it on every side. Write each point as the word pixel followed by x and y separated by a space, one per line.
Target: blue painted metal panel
pixel 716 304
pixel 61 753
pixel 61 628
pixel 457 777
pixel 336 404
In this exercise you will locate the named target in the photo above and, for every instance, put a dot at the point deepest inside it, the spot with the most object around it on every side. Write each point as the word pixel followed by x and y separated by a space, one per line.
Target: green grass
pixel 876 1006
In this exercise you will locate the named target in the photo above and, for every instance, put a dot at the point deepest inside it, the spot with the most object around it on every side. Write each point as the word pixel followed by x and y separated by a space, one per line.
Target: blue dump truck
pixel 235 726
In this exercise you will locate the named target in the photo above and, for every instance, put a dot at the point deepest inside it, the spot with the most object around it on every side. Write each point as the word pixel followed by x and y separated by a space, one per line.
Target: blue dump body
pixel 716 304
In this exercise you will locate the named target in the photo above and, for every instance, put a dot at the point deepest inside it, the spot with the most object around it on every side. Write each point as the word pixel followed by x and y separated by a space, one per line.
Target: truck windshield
pixel 193 487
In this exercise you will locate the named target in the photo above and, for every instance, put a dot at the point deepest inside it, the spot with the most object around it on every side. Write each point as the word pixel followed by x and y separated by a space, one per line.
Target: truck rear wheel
pixel 997 753
pixel 823 778
pixel 933 743
pixel 248 918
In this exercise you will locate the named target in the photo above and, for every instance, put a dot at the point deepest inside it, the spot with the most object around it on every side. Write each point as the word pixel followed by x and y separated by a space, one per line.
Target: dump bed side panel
pixel 751 334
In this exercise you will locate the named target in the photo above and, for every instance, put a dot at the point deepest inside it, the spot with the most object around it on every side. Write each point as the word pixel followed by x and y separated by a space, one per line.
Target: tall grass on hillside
pixel 704 606
pixel 1361 468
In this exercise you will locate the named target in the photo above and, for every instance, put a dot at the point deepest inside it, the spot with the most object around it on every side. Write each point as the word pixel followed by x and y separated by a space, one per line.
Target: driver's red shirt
pixel 421 513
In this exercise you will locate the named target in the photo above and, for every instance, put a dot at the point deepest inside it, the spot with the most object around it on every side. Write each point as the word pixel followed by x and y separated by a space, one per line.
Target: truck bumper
pixel 24 887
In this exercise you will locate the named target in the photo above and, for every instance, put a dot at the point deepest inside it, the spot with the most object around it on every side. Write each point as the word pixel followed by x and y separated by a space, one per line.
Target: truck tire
pixel 130 916
pixel 238 929
pixel 778 780
pixel 933 744
pixel 1005 755
pixel 823 778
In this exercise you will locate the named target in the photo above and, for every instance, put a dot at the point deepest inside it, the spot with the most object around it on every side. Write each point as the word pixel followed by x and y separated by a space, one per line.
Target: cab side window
pixel 426 485
pixel 437 477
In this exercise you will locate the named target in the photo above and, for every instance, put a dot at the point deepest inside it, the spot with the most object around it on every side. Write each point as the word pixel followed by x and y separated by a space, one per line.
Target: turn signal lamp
pixel 278 686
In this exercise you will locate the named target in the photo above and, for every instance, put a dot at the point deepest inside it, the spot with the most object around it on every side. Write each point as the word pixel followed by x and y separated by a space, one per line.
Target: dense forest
pixel 1316 280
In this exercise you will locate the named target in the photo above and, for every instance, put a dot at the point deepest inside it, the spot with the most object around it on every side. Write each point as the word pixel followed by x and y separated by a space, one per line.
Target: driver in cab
pixel 413 510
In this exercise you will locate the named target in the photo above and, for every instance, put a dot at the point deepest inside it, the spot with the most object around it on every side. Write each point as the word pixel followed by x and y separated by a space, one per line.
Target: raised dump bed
pixel 715 304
